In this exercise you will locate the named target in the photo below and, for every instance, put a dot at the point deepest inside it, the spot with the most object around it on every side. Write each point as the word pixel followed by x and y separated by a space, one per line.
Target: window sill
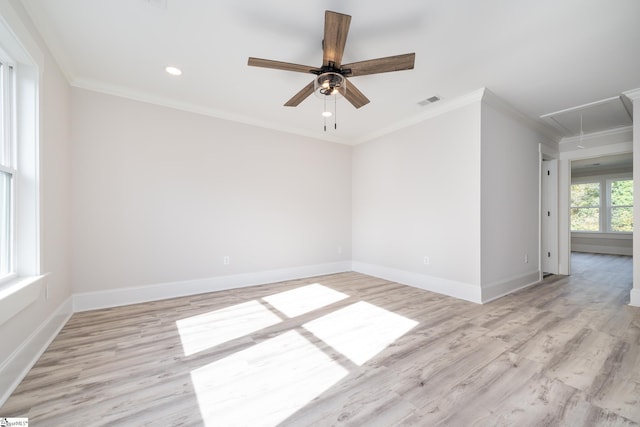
pixel 17 294
pixel 599 235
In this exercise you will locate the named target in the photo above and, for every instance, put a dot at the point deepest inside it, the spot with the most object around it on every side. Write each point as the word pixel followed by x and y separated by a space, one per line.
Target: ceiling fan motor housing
pixel 329 84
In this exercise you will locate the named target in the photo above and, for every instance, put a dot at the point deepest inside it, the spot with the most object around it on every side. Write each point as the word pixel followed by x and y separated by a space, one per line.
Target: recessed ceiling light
pixel 326 114
pixel 174 71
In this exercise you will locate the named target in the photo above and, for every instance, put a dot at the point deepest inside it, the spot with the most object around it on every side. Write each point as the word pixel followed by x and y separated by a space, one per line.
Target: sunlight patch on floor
pixel 265 384
pixel 361 330
pixel 304 299
pixel 207 330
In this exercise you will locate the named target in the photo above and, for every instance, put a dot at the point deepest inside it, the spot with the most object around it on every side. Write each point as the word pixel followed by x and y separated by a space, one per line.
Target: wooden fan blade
pixel 300 96
pixel 381 65
pixel 278 65
pixel 336 28
pixel 353 95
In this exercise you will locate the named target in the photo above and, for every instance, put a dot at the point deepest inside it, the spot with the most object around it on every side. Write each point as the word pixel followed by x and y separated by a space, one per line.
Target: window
pixel 602 205
pixel 7 168
pixel 621 206
pixel 19 157
pixel 585 207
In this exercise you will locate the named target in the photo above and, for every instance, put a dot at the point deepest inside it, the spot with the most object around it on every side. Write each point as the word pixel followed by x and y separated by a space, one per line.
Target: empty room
pixel 219 213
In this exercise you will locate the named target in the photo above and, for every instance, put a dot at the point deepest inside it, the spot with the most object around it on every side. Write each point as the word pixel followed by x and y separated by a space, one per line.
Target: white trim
pixel 601 150
pixel 601 249
pixel 123 92
pixel 18 294
pixel 41 22
pixel 633 94
pixel 461 290
pixel 625 132
pixel 189 107
pixel 133 295
pixel 580 107
pixel 433 110
pixel 17 39
pixel 599 235
pixel 17 366
pixel 503 106
pixel 493 291
pixel 635 297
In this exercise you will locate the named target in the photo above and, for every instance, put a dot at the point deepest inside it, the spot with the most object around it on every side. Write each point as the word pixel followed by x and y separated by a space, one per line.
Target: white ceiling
pixel 540 56
pixel 609 164
pixel 606 114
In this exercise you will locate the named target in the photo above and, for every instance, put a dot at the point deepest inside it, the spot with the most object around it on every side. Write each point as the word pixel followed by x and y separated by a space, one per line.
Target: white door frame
pixel 564 196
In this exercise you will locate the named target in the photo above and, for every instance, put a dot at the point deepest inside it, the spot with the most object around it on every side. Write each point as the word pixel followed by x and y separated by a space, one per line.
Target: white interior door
pixel 549 202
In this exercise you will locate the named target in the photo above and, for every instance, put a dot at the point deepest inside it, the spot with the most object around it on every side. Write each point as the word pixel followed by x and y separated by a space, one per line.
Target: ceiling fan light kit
pixel 331 77
pixel 329 84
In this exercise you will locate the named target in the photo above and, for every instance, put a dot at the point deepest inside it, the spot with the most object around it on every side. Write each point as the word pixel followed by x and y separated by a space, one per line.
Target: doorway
pixel 601 206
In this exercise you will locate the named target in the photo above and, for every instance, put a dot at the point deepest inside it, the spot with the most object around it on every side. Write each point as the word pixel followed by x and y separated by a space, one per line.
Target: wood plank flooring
pixel 349 349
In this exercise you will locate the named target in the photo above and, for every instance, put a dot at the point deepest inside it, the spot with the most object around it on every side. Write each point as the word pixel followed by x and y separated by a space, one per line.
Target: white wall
pixel 510 203
pixel 634 95
pixel 24 336
pixel 416 193
pixel 161 196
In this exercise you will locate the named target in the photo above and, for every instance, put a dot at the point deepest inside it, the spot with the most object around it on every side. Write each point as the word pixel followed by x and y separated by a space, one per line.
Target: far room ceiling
pixel 541 57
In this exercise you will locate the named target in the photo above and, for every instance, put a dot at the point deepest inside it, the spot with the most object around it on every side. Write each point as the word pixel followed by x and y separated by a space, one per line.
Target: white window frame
pixel 599 205
pixel 9 159
pixel 17 47
pixel 605 203
pixel 609 206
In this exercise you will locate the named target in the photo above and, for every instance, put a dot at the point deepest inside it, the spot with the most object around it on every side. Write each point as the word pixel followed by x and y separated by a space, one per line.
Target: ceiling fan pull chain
pixel 323 115
pixel 335 112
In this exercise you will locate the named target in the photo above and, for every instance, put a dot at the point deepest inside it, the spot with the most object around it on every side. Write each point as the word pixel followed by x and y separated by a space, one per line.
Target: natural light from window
pixel 281 371
pixel 604 205
pixel 207 330
pixel 361 330
pixel 264 384
pixel 304 299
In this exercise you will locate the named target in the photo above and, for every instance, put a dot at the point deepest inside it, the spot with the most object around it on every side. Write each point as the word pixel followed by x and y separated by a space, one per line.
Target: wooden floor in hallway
pixel 350 349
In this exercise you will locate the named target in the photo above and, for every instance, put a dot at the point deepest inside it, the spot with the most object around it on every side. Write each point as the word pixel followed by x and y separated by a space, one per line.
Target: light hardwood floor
pixel 349 349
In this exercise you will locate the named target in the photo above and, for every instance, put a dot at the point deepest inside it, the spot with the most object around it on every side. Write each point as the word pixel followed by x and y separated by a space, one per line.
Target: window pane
pixel 5 223
pixel 585 219
pixel 585 194
pixel 3 131
pixel 622 219
pixel 622 193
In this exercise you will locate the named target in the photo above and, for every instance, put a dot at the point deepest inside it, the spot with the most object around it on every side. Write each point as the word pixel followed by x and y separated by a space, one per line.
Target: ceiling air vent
pixel 428 101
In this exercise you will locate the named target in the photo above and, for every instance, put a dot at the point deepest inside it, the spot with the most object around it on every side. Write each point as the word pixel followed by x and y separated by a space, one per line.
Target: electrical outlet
pixel 226 260
pixel 426 260
pixel 46 292
pixel 339 250
pixel 526 258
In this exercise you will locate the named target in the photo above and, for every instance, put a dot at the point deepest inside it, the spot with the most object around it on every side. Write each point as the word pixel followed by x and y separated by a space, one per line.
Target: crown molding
pixel 53 46
pixel 17 39
pixel 623 133
pixel 435 110
pixel 542 128
pixel 148 98
pixel 633 94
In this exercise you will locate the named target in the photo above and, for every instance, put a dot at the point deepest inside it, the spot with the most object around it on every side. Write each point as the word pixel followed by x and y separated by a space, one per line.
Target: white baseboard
pixel 16 367
pixel 635 297
pixel 493 291
pixel 600 249
pixel 447 287
pixel 124 296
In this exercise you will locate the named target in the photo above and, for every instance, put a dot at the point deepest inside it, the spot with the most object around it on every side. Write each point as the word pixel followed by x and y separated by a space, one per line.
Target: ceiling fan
pixel 332 75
